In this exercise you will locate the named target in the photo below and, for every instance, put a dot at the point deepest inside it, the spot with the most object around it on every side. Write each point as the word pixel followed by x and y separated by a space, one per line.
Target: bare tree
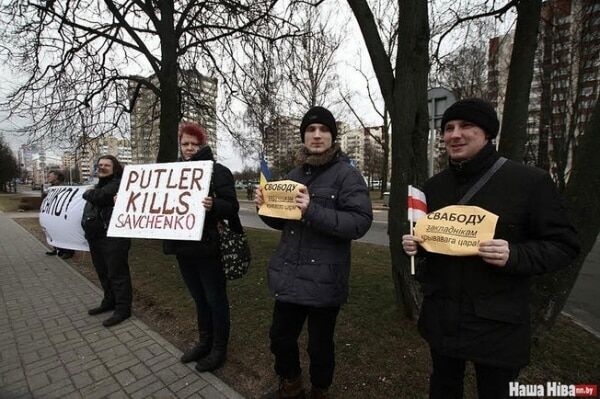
pixel 8 165
pixel 79 57
pixel 402 77
pixel 520 75
pixel 310 63
pixel 569 126
pixel 465 71
pixel 383 140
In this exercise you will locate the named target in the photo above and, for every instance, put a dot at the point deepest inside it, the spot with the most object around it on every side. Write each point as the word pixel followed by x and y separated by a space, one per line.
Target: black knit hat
pixel 319 115
pixel 474 110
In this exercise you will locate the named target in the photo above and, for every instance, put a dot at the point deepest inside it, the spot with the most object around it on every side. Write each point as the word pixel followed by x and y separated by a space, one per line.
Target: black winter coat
pixel 99 207
pixel 225 207
pixel 311 265
pixel 477 311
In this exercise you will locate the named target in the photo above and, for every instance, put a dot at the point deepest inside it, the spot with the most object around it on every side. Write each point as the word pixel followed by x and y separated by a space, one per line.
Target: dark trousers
pixel 205 279
pixel 110 258
pixel 288 320
pixel 446 381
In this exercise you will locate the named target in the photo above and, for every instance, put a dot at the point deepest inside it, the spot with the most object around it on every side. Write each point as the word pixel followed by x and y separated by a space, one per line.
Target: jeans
pixel 447 378
pixel 288 320
pixel 110 258
pixel 205 279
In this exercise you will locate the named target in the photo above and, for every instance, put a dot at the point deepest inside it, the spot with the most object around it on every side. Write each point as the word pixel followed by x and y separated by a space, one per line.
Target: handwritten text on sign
pixel 456 230
pixel 162 201
pixel 60 217
pixel 280 200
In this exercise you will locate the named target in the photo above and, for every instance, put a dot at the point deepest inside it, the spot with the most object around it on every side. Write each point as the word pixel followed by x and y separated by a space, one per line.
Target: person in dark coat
pixel 110 255
pixel 199 261
pixel 476 308
pixel 57 178
pixel 308 274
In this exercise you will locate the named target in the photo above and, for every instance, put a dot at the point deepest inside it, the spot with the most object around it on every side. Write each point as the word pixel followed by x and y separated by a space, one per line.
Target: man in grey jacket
pixel 308 274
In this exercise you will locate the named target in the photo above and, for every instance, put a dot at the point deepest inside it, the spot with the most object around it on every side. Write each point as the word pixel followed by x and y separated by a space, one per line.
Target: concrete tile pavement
pixel 51 348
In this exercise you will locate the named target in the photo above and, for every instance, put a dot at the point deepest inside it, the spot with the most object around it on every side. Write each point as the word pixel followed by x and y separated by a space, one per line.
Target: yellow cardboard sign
pixel 280 199
pixel 456 230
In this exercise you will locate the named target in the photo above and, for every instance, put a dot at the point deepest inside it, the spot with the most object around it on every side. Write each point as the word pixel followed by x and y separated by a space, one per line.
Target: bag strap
pixel 482 181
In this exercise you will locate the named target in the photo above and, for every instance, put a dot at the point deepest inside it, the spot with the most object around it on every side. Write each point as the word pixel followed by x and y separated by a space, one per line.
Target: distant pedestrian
pixel 308 274
pixel 110 255
pixel 250 191
pixel 476 308
pixel 57 178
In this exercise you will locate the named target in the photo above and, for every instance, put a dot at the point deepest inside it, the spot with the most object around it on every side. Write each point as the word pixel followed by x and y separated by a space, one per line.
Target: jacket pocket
pixel 502 307
pixel 279 275
pixel 324 196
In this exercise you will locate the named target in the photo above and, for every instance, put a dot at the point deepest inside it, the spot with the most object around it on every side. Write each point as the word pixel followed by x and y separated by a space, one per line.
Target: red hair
pixel 193 129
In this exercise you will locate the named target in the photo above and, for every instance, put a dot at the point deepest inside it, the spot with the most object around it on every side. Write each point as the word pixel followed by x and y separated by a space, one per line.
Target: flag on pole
pixel 265 173
pixel 417 204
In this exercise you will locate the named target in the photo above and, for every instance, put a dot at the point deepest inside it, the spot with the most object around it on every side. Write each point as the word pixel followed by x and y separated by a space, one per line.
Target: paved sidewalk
pixel 51 348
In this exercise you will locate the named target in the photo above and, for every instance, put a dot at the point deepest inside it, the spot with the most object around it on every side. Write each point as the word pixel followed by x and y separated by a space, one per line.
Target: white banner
pixel 162 200
pixel 60 217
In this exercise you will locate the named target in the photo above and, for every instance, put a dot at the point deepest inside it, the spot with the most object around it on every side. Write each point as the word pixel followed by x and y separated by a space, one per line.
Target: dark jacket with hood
pixel 99 207
pixel 477 311
pixel 225 207
pixel 311 265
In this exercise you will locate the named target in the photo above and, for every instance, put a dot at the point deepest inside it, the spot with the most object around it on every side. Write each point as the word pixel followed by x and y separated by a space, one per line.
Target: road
pixel 376 235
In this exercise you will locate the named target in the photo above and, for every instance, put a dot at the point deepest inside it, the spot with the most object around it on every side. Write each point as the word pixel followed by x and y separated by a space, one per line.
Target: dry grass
pixel 379 352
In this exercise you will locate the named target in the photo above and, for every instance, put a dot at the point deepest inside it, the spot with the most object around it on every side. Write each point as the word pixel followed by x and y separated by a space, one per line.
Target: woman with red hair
pixel 199 261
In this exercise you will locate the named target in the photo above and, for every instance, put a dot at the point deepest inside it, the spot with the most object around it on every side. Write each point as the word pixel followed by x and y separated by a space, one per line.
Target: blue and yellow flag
pixel 265 173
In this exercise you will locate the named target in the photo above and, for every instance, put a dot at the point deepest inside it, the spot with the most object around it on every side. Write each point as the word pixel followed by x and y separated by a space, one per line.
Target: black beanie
pixel 319 115
pixel 474 110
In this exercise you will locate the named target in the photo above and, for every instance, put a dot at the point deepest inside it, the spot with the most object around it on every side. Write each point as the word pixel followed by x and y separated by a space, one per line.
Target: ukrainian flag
pixel 265 173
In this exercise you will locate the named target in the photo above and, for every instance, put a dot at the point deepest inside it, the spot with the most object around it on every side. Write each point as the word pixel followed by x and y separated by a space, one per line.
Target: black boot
pixel 200 350
pixel 318 393
pixel 101 309
pixel 115 319
pixel 289 388
pixel 213 360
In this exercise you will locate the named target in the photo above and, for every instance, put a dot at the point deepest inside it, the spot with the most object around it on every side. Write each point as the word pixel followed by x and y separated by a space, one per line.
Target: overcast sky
pixel 352 54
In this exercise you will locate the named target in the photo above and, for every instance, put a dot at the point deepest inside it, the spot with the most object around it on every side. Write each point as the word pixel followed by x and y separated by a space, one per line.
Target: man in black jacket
pixel 110 255
pixel 476 308
pixel 308 274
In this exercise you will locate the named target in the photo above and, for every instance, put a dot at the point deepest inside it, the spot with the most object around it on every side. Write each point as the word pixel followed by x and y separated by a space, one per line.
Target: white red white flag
pixel 417 204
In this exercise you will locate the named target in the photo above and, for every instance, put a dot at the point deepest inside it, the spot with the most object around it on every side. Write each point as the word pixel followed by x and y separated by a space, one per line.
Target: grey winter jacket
pixel 311 265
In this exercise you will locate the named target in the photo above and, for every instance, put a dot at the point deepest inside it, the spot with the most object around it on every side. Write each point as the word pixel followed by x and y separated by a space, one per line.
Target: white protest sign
pixel 162 201
pixel 60 217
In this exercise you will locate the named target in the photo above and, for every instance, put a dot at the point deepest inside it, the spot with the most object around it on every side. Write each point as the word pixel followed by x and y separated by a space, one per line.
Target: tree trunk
pixel 404 90
pixel 409 140
pixel 170 112
pixel 582 192
pixel 513 134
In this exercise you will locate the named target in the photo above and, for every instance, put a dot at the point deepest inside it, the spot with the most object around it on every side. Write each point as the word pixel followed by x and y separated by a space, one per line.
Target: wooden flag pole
pixel 411 221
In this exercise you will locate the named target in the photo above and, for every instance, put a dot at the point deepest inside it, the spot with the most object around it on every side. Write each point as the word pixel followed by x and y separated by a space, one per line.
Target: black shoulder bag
pixel 233 244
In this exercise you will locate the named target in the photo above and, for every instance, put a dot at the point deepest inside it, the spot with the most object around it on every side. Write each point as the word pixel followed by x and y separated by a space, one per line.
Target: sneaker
pixel 66 255
pixel 51 253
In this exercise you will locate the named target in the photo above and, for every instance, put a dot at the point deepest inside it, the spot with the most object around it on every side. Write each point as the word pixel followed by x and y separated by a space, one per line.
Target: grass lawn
pixel 379 352
pixel 9 202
